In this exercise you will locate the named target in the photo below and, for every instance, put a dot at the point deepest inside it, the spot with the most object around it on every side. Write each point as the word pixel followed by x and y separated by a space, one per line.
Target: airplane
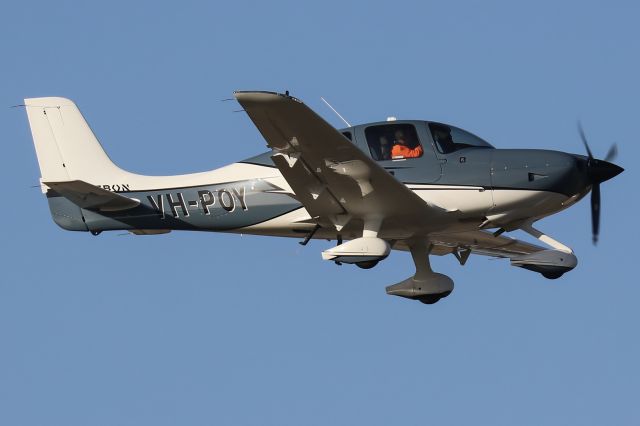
pixel 446 192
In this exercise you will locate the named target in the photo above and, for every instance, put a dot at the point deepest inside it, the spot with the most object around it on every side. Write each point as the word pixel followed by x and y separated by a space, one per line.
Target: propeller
pixel 598 171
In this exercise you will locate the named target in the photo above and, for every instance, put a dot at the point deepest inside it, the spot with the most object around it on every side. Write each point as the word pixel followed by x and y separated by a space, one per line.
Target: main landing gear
pixel 365 252
pixel 425 286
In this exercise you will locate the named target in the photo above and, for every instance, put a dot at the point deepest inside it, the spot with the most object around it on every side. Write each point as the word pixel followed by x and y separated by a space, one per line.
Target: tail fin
pixel 65 145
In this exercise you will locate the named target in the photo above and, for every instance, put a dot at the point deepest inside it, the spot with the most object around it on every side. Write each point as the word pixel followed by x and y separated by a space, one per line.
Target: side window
pixel 393 142
pixel 347 135
pixel 449 138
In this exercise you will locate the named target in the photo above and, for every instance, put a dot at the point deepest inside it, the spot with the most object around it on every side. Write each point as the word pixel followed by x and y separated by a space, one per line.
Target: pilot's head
pixel 441 133
pixel 400 137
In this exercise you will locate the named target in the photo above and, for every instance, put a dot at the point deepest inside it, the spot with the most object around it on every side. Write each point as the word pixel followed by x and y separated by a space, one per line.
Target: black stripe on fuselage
pixel 468 188
pixel 478 187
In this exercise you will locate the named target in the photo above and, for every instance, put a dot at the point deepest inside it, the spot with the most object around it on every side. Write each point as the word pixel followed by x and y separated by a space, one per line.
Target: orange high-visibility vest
pixel 406 152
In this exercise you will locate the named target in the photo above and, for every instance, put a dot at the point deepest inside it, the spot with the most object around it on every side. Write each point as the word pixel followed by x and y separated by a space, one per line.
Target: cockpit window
pixel 393 142
pixel 449 138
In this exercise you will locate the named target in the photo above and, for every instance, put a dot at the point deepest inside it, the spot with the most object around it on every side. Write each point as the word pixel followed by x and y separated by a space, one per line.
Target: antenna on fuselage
pixel 334 110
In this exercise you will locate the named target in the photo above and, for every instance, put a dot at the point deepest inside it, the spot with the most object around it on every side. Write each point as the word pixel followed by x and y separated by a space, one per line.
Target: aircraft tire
pixel 367 265
pixel 552 275
pixel 430 299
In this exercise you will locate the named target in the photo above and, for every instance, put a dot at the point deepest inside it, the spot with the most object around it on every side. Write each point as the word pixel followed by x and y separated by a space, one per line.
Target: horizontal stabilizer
pixel 91 197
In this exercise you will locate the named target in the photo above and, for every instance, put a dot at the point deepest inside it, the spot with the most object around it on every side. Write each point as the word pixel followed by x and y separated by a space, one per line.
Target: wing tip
pixel 262 96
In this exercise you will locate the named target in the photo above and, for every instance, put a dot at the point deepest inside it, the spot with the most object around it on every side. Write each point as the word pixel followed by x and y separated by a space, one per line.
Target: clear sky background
pixel 196 328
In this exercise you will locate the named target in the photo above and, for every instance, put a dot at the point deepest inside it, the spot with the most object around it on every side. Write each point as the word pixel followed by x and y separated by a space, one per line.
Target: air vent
pixel 536 176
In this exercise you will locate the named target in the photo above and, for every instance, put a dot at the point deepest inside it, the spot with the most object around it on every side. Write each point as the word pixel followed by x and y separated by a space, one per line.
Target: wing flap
pixel 91 197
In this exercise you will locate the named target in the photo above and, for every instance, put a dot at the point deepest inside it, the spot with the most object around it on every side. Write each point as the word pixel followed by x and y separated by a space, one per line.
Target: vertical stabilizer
pixel 65 145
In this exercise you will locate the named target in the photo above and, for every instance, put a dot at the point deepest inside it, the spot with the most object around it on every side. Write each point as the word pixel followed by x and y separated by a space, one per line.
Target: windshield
pixel 450 138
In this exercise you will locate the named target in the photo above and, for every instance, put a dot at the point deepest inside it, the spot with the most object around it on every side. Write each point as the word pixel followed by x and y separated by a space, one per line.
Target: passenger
pixel 402 149
pixel 385 152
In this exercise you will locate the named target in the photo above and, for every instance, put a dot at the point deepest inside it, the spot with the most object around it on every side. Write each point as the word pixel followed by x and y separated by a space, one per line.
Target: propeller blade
pixel 612 154
pixel 595 211
pixel 584 140
pixel 598 171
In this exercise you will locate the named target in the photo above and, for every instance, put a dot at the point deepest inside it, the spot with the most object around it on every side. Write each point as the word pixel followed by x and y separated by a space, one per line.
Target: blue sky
pixel 194 328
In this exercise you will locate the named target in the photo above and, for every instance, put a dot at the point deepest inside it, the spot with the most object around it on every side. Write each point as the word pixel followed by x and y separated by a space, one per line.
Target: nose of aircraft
pixel 599 171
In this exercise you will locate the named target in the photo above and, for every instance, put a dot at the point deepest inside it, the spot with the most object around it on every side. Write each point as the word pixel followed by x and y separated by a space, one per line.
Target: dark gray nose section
pixel 600 171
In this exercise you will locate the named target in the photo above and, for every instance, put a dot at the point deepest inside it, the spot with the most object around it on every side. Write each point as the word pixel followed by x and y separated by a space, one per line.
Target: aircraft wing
pixel 91 197
pixel 331 177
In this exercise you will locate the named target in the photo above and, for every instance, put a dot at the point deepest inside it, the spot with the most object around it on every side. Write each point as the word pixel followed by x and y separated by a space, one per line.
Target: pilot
pixel 402 149
pixel 442 136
